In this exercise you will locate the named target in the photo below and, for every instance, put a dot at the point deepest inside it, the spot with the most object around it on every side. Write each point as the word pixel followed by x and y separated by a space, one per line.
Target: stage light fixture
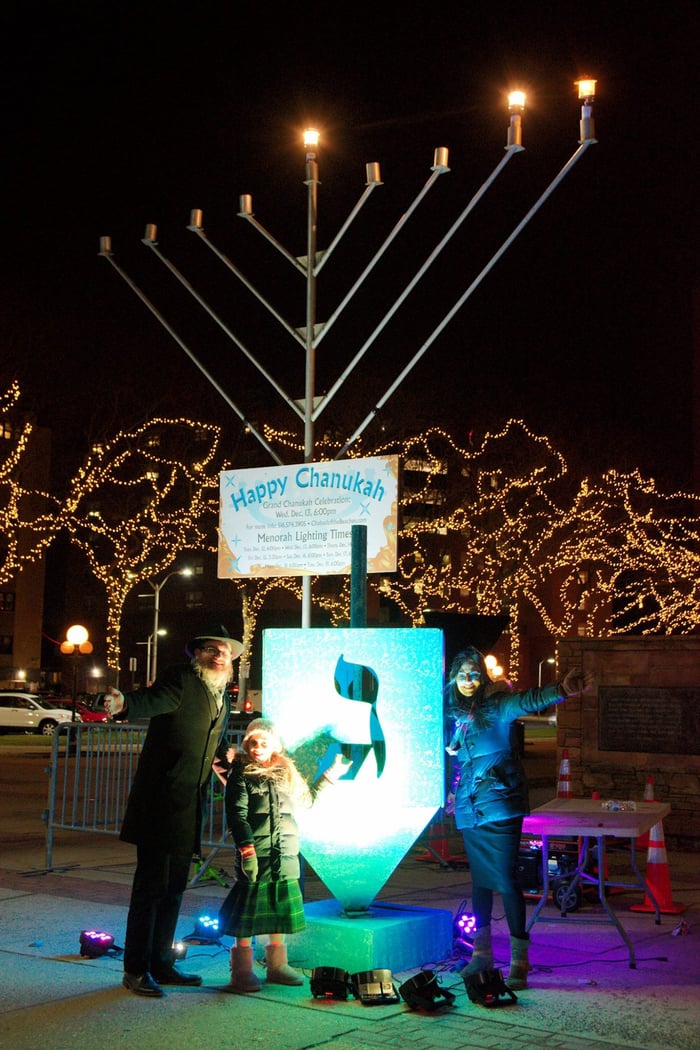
pixel 328 982
pixel 374 987
pixel 206 931
pixel 94 943
pixel 464 928
pixel 179 950
pixel 424 992
pixel 488 988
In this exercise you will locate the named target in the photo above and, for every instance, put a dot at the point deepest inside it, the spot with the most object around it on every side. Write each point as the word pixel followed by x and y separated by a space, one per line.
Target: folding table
pixel 588 819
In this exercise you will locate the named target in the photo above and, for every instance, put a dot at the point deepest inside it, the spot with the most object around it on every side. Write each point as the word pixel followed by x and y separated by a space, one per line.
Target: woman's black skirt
pixel 492 851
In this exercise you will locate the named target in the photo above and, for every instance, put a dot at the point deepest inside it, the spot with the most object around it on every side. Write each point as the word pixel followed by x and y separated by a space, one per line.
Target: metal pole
pixel 310 342
pixel 358 576
pixel 156 615
pixel 148 658
pixel 106 253
pixel 463 298
pixel 76 657
pixel 152 666
pixel 414 281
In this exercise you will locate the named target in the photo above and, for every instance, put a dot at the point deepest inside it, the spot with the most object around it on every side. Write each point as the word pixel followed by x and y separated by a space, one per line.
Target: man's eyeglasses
pixel 469 676
pixel 211 650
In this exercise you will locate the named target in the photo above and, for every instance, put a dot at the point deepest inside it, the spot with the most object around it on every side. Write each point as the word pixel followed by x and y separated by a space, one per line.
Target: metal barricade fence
pixel 92 768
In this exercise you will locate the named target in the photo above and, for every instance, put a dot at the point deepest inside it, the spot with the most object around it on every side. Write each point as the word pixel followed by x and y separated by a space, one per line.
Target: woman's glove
pixel 575 683
pixel 249 863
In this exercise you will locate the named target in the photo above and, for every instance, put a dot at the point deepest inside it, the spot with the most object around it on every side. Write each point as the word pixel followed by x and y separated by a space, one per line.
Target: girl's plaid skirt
pixel 262 907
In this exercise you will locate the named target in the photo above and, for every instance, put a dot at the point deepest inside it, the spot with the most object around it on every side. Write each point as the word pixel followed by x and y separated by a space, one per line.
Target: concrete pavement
pixel 583 994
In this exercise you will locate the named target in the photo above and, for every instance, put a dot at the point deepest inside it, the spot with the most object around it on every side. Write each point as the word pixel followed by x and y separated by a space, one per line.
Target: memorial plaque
pixel 640 718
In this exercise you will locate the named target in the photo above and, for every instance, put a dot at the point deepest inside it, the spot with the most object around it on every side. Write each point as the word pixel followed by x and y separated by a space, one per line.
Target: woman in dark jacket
pixel 263 790
pixel 489 795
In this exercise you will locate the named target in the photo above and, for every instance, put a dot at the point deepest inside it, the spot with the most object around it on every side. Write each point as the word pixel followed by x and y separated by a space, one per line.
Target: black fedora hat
pixel 216 632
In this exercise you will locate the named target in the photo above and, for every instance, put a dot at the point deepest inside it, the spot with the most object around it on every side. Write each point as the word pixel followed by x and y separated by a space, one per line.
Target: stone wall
pixel 655 668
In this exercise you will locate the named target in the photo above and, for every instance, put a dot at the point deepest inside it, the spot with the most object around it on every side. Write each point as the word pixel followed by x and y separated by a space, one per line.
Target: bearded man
pixel 188 708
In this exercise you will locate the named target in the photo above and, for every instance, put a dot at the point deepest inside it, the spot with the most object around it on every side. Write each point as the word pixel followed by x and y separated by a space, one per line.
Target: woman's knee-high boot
pixel 482 956
pixel 519 963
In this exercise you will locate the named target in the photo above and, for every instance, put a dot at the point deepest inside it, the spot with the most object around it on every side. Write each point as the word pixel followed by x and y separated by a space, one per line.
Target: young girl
pixel 263 790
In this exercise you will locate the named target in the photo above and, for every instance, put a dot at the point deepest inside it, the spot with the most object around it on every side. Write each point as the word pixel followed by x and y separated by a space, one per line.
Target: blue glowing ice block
pixel 374 695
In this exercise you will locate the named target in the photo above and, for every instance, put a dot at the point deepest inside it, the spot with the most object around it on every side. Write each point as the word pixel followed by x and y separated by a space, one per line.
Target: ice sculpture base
pixel 386 936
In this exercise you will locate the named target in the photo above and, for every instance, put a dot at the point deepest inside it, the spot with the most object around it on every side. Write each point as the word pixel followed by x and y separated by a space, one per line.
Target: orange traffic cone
pixel 437 839
pixel 438 846
pixel 643 841
pixel 658 877
pixel 564 785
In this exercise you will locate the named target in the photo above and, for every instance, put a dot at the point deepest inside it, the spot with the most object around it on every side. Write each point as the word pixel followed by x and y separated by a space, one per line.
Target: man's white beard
pixel 214 680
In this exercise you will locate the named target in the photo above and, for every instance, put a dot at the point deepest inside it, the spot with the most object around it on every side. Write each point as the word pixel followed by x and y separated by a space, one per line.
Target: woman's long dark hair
pixel 455 703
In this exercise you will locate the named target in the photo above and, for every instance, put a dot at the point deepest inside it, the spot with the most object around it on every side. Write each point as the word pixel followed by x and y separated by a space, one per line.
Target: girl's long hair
pixel 282 771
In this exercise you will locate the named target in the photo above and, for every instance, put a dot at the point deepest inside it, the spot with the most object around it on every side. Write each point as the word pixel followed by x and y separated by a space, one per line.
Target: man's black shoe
pixel 173 976
pixel 142 984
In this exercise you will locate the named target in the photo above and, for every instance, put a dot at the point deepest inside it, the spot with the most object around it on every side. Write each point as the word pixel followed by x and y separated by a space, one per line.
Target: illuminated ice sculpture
pixel 375 695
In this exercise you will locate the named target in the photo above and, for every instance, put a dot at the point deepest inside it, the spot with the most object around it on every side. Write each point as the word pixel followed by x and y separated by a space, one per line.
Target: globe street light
pixel 77 643
pixel 157 588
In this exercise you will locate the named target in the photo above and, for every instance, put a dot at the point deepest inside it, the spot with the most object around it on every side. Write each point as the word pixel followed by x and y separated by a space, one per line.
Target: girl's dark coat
pixel 259 812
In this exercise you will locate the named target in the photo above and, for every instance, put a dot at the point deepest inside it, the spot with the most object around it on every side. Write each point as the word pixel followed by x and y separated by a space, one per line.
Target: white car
pixel 29 713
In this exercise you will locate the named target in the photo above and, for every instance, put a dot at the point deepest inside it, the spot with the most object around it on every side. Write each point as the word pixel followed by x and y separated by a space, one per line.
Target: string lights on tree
pixel 502 526
pixel 498 527
pixel 29 518
pixel 138 501
pixel 617 557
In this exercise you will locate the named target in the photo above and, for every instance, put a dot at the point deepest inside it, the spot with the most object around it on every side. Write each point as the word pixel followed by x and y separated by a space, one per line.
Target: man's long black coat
pixel 166 802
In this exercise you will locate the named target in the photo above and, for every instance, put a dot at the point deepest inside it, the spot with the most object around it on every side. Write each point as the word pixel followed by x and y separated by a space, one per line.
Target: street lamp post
pixel 149 644
pixel 152 660
pixel 547 660
pixel 77 643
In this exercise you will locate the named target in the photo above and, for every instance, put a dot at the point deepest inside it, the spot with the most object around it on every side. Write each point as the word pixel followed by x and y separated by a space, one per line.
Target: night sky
pixel 114 118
